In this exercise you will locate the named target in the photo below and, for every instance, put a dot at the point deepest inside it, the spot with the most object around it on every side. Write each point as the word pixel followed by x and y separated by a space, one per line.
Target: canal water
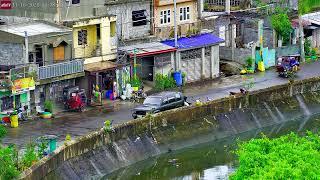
pixel 215 159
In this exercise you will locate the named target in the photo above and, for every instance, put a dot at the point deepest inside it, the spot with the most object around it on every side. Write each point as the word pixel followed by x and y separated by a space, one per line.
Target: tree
pixel 281 23
pixel 287 157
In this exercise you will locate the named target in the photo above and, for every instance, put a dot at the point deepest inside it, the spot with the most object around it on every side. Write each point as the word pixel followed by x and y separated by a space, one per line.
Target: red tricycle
pixel 74 98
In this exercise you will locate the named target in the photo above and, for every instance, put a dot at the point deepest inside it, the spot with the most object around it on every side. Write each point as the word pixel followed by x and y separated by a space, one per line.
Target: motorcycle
pixel 138 95
pixel 287 66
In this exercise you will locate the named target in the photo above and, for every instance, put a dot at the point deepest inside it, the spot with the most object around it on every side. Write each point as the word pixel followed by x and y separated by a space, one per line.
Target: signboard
pixel 5 4
pixel 23 85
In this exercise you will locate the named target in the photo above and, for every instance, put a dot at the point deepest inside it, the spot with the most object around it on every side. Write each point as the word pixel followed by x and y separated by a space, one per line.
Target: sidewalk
pixel 78 124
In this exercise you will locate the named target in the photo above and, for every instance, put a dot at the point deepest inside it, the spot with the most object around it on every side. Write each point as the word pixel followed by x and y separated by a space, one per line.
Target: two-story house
pixel 47 48
pixel 187 18
pixel 95 41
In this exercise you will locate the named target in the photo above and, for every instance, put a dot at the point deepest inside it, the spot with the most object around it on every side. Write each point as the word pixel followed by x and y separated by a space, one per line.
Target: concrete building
pixel 48 52
pixel 134 17
pixel 187 18
pixel 94 39
pixel 311 28
pixel 198 56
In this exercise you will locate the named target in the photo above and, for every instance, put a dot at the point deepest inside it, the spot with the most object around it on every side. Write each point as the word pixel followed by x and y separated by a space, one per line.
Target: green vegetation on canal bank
pixel 287 157
pixel 11 163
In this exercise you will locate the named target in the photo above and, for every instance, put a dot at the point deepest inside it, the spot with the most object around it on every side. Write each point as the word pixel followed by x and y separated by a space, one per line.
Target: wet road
pixel 77 124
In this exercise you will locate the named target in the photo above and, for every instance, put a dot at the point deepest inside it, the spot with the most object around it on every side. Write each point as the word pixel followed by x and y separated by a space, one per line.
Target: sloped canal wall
pixel 99 153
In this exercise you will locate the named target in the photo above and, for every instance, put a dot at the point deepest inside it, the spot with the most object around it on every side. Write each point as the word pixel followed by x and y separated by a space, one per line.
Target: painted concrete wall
pixel 90 49
pixel 240 54
pixel 123 11
pixel 12 54
pixel 193 14
pixel 163 31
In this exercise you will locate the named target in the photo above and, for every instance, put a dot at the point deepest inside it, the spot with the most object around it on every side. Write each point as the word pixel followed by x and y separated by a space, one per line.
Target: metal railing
pixel 61 69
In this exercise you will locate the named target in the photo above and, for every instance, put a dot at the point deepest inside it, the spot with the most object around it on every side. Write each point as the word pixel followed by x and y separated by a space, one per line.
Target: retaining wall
pixel 96 143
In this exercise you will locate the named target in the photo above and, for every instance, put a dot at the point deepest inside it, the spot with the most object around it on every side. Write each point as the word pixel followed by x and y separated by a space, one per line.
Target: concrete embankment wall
pixel 99 153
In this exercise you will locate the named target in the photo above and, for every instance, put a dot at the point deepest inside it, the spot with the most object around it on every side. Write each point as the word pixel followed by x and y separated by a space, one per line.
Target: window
pixel 139 18
pixel 171 100
pixel 82 37
pixel 58 53
pixel 184 13
pixel 165 17
pixel 112 28
pixel 178 97
pixel 75 2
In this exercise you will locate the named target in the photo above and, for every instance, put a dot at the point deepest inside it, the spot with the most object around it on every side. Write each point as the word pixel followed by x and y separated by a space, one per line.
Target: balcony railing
pixel 61 69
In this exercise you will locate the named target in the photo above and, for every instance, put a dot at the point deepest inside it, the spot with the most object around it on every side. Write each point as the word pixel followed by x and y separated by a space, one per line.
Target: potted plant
pixel 135 83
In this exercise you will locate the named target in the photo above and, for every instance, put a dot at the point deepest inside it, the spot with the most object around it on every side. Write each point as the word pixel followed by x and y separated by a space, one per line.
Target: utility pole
pixel 26 43
pixel 228 6
pixel 175 31
pixel 302 55
pixel 175 23
pixel 134 63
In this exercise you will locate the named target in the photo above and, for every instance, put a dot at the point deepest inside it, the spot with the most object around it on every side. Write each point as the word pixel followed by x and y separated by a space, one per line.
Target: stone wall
pixel 92 149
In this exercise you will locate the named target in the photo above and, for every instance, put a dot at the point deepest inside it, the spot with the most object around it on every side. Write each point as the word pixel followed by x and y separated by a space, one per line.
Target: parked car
pixel 159 102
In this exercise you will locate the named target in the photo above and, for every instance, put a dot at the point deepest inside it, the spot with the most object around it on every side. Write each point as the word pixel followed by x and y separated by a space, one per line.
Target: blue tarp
pixel 197 41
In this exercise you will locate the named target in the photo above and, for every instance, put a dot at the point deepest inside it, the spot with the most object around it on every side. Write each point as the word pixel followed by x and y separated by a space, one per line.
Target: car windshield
pixel 152 101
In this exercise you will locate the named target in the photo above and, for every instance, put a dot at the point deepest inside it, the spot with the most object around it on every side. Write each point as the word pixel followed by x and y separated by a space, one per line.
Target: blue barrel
pixel 177 76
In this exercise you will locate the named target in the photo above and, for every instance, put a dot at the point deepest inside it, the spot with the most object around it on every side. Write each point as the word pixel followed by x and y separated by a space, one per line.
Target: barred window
pixel 82 37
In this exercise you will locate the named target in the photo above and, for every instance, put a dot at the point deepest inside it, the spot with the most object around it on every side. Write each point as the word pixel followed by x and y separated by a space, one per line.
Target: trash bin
pixel 177 76
pixel 50 142
pixel 14 121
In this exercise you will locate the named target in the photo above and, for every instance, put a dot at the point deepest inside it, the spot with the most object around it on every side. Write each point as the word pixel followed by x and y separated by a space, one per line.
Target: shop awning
pixel 100 66
pixel 147 49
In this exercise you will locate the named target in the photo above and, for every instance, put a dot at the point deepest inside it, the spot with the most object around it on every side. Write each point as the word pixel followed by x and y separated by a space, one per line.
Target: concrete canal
pixel 188 142
pixel 210 160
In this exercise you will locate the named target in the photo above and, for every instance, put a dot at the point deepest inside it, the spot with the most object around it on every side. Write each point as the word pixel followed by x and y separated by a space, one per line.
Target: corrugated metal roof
pixel 312 17
pixel 32 28
pixel 197 41
pixel 145 49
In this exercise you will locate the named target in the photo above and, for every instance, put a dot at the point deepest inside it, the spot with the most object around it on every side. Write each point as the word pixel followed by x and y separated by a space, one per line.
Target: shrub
pixel 307 47
pixel 135 82
pixel 163 82
pixel 48 105
pixel 29 158
pixel 3 132
pixel 8 163
pixel 287 157
pixel 249 62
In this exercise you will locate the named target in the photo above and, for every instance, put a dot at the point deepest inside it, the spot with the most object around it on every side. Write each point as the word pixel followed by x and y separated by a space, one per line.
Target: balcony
pixel 61 69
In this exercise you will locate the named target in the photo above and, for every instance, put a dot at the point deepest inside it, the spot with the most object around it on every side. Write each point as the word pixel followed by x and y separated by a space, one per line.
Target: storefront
pixel 107 77
pixel 21 93
pixel 151 58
